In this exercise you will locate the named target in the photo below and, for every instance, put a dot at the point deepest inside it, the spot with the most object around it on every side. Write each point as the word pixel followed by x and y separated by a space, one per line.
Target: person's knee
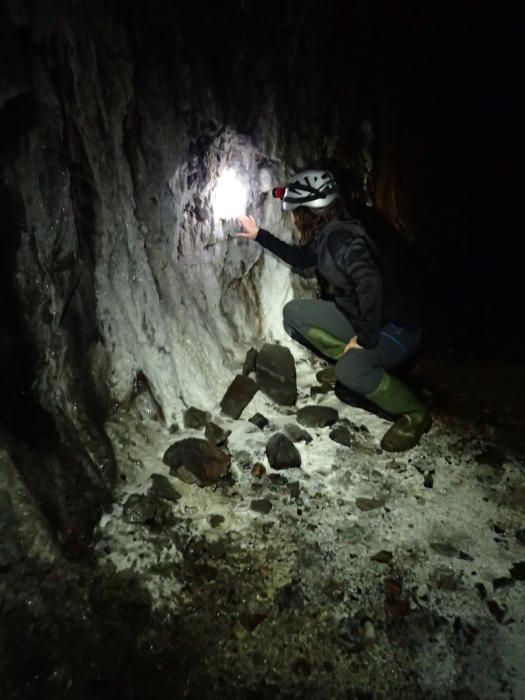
pixel 353 376
pixel 290 313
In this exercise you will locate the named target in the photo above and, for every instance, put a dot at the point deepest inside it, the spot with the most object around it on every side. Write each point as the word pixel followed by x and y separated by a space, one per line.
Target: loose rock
pixel 162 488
pixel 341 435
pixel 282 453
pixel 239 394
pixel 215 434
pixel 317 416
pixel 196 461
pixel 261 506
pixel 148 510
pixel 369 503
pixel 326 376
pixel 276 374
pixel 195 418
pixel 259 420
pixel 297 434
pixel 319 389
pixel 250 362
pixel 383 557
pixel 446 550
pixel 258 470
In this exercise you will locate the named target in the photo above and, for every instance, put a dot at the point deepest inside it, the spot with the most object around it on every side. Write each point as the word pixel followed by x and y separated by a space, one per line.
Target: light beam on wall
pixel 230 196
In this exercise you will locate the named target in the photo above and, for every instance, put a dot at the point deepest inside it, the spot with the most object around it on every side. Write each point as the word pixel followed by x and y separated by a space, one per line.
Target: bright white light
pixel 230 196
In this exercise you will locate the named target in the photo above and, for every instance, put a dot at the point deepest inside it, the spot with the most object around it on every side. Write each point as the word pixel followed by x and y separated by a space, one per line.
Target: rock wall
pixel 118 120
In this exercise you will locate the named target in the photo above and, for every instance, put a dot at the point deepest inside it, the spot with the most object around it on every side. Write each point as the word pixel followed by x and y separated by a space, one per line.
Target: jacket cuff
pixel 262 236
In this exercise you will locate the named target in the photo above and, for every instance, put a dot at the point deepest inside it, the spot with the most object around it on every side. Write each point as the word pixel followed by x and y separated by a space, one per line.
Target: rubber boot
pixel 352 398
pixel 413 417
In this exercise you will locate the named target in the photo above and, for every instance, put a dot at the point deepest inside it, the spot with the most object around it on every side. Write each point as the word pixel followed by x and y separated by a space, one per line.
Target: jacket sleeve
pixel 297 256
pixel 353 257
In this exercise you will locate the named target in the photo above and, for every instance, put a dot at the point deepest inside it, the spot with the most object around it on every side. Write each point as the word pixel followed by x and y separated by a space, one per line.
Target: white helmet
pixel 310 188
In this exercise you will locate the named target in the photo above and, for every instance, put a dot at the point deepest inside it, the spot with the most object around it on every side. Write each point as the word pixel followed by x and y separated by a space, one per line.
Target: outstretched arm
pixel 297 256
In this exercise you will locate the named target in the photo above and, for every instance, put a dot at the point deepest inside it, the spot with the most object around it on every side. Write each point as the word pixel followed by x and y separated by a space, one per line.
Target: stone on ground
pixel 276 375
pixel 282 453
pixel 195 418
pixel 259 420
pixel 147 510
pixel 161 487
pixel 317 416
pixel 238 395
pixel 196 461
pixel 215 434
pixel 342 435
pixel 297 434
pixel 250 362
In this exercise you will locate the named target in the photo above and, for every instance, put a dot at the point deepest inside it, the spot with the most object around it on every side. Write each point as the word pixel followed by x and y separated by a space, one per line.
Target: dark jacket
pixel 363 284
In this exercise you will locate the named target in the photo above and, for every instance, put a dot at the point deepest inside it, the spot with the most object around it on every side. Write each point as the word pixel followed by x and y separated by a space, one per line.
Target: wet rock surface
pixel 297 434
pixel 364 598
pixel 282 453
pixel 124 300
pixel 249 362
pixel 196 461
pixel 239 394
pixel 317 416
pixel 195 418
pixel 161 487
pixel 342 435
pixel 148 510
pixel 365 570
pixel 276 374
pixel 215 434
pixel 259 420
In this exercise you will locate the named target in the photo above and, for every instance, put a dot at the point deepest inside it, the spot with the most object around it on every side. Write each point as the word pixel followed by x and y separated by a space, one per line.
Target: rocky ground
pixel 354 573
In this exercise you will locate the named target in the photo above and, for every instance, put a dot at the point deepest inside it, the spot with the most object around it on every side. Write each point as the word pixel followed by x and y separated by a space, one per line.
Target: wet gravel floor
pixel 363 574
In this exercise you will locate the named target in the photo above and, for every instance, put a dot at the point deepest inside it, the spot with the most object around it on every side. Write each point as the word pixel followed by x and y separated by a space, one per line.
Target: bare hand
pixel 250 227
pixel 352 343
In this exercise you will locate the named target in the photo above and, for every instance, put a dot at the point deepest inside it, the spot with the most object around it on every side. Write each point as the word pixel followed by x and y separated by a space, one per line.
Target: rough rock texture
pixel 123 298
pixel 342 435
pixel 282 453
pixel 297 434
pixel 276 375
pixel 196 461
pixel 148 510
pixel 195 418
pixel 259 420
pixel 317 416
pixel 162 488
pixel 215 434
pixel 249 362
pixel 239 394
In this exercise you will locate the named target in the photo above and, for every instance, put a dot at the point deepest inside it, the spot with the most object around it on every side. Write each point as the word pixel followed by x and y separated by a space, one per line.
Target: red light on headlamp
pixel 278 192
